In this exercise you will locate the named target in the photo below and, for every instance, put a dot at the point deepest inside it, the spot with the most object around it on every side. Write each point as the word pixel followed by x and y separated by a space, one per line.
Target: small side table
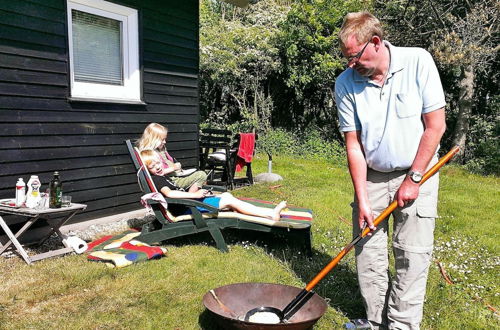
pixel 63 213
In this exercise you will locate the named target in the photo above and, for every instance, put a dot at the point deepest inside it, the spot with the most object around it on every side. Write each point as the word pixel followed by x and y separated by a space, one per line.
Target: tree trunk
pixel 465 102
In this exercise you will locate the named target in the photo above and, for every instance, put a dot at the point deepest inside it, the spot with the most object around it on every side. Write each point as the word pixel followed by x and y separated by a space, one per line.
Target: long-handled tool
pixel 306 293
pixel 221 304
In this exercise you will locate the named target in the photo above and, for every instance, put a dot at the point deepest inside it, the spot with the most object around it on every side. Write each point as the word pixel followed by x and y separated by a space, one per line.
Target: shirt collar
pixel 395 64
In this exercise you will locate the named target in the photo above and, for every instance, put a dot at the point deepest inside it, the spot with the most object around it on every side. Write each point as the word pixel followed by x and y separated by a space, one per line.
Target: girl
pixel 154 137
pixel 223 201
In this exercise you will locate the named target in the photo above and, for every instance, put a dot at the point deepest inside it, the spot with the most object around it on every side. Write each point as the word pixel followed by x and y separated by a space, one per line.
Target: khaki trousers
pixel 199 178
pixel 396 305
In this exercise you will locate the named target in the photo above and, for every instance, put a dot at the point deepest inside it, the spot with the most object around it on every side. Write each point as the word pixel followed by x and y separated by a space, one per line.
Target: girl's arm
pixel 168 170
pixel 184 194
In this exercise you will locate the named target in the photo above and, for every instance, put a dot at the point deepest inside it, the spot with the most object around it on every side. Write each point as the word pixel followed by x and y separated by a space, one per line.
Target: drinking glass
pixel 65 200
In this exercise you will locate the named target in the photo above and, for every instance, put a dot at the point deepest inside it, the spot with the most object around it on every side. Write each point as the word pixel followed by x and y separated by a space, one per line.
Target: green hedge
pixel 309 146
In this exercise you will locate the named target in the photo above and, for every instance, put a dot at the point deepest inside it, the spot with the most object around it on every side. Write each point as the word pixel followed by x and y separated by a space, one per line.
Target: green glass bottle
pixel 55 191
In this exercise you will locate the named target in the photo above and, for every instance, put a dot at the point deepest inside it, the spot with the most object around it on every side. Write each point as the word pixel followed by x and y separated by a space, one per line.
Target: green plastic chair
pixel 176 222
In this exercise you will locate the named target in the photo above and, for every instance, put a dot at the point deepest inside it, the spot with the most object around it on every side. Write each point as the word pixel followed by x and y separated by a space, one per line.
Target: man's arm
pixel 357 169
pixel 435 125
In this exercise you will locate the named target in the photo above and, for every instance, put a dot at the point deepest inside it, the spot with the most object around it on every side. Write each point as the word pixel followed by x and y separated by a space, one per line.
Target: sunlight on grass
pixel 71 292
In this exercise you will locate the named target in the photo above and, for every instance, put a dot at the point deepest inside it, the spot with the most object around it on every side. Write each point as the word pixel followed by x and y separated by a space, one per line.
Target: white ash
pixel 265 318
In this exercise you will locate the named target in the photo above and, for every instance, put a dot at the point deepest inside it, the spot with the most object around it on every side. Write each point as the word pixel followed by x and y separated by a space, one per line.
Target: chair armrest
pixel 186 202
pixel 191 203
pixel 214 188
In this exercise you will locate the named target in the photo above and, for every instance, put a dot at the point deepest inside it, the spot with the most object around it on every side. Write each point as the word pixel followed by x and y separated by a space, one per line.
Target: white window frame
pixel 130 91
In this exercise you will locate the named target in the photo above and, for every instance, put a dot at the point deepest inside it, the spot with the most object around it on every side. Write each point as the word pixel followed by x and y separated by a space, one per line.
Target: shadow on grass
pixel 339 288
pixel 207 321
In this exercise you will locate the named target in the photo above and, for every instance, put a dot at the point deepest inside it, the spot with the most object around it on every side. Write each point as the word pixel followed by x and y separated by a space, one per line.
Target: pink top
pixel 166 159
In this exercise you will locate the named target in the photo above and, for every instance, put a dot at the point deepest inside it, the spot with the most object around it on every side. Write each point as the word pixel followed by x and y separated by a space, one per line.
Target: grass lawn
pixel 73 293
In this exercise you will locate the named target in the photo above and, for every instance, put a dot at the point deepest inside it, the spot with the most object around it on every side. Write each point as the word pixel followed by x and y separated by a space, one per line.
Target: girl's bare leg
pixel 277 210
pixel 229 201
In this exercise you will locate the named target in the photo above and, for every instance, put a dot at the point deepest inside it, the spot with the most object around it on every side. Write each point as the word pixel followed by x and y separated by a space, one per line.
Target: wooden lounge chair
pixel 175 221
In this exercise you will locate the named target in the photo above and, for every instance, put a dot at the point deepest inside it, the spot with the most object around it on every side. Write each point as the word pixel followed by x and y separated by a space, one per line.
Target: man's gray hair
pixel 363 25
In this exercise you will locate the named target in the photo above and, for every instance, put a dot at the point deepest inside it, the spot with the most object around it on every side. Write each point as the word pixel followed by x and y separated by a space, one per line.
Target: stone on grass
pixel 267 177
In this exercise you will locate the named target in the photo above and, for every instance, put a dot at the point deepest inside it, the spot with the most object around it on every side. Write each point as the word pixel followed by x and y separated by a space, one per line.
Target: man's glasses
pixel 359 54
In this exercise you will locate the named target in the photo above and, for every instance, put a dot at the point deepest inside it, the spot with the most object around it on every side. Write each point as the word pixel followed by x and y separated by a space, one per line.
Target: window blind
pixel 97 55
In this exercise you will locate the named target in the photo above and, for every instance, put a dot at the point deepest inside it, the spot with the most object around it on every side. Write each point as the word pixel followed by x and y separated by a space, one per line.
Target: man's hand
pixel 407 192
pixel 365 217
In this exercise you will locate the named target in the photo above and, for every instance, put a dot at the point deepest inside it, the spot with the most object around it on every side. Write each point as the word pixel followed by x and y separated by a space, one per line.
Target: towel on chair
pixel 123 250
pixel 153 196
pixel 245 150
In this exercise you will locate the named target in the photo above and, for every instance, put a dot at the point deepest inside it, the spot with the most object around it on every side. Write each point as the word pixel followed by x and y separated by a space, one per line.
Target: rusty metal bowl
pixel 243 297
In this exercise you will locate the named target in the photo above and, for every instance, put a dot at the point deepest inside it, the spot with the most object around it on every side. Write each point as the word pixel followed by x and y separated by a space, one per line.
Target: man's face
pixel 360 56
pixel 155 167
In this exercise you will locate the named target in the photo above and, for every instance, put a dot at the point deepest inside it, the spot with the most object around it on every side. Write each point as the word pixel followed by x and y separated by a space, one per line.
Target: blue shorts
pixel 212 201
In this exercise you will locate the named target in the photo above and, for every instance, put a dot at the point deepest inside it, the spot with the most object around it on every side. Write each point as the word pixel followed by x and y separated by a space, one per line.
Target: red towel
pixel 245 150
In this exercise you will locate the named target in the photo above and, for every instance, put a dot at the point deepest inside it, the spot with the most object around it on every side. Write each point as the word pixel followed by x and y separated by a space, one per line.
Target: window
pixel 104 51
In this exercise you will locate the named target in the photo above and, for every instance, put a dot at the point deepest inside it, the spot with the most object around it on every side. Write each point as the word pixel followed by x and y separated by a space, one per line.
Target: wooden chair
pixel 176 222
pixel 218 155
pixel 215 156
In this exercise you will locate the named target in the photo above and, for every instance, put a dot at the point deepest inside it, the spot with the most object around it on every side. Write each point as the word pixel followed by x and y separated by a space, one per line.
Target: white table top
pixel 5 208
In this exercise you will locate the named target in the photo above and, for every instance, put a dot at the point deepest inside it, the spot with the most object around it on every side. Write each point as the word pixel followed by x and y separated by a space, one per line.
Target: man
pixel 391 109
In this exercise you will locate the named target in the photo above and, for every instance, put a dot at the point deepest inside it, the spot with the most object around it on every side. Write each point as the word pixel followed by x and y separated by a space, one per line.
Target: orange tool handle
pixel 446 158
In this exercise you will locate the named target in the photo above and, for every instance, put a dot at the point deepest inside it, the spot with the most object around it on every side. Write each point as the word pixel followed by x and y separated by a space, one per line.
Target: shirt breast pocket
pixel 408 105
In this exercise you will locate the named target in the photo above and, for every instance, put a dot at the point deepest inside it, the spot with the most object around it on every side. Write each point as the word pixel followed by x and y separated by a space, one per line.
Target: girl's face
pixel 155 167
pixel 163 140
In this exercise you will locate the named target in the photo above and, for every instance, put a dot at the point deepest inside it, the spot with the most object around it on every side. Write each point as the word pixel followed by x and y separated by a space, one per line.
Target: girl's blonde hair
pixel 361 25
pixel 151 137
pixel 148 156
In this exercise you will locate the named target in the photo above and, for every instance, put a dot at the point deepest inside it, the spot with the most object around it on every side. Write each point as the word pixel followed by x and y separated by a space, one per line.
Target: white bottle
pixel 33 196
pixel 20 192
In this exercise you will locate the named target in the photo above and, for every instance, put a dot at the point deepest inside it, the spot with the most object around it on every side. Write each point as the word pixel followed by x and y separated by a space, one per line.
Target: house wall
pixel 42 131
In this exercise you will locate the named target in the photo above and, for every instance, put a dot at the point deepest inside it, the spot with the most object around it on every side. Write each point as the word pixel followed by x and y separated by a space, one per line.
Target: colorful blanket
pixel 123 250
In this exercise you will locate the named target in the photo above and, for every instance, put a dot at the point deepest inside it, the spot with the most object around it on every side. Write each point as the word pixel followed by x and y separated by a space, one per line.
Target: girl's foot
pixel 277 210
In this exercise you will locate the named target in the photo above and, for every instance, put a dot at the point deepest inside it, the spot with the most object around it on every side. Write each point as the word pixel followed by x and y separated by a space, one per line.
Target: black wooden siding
pixel 41 131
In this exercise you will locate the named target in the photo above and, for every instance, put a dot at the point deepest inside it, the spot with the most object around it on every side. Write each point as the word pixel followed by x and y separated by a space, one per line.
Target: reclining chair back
pixel 144 178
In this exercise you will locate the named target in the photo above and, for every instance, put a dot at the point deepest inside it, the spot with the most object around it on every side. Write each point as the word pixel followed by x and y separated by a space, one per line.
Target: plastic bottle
pixel 55 191
pixel 33 196
pixel 20 192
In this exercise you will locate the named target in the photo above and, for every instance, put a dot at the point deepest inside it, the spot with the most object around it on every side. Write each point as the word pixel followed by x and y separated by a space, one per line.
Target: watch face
pixel 416 176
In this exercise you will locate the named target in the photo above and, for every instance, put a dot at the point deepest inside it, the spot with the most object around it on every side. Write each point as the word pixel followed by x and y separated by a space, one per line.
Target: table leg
pixel 28 224
pixel 55 228
pixel 13 239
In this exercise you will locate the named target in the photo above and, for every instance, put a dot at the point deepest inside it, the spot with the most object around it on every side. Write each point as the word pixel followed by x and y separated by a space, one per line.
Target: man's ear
pixel 377 42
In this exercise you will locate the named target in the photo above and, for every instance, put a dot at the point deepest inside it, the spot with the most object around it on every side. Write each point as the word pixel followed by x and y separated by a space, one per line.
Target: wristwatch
pixel 415 176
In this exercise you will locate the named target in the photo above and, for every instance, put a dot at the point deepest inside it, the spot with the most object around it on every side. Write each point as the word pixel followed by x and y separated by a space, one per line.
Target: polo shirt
pixel 389 116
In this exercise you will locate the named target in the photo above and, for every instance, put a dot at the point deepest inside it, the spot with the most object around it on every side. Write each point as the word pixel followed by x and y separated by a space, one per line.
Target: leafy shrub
pixel 314 146
pixel 483 140
pixel 311 145
pixel 484 147
pixel 277 142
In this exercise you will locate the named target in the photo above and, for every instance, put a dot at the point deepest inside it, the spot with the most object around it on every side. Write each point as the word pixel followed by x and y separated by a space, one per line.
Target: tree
pixel 468 44
pixel 463 36
pixel 311 59
pixel 237 57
